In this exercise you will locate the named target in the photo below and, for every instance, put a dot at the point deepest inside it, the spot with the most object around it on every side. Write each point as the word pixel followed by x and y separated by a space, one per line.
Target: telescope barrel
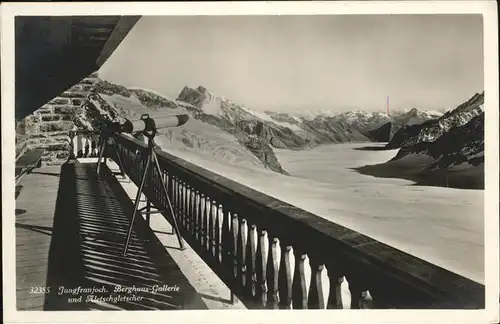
pixel 159 123
pixel 141 125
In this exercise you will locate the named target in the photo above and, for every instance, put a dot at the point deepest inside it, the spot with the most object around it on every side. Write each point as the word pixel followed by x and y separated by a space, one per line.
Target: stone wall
pixel 48 127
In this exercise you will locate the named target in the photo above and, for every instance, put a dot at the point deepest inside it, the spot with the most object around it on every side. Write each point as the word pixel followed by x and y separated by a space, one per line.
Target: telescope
pixel 149 128
pixel 147 125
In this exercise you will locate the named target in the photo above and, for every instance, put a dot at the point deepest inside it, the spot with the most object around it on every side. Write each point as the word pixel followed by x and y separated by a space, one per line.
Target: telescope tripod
pixel 103 140
pixel 151 163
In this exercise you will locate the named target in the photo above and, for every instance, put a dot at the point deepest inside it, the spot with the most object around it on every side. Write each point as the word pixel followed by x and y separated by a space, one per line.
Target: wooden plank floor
pixel 70 229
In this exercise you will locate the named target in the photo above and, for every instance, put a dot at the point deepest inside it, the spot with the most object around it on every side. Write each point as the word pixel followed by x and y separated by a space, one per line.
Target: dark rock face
pixel 381 134
pixel 446 152
pixel 460 144
pixel 430 130
pixel 109 88
pixel 152 100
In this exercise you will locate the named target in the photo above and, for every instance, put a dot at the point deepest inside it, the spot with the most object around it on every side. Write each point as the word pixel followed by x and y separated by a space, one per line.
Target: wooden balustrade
pixel 274 255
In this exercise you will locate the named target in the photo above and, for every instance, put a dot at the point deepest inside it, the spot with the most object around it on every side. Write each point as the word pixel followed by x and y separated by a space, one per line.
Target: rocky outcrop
pixel 462 144
pixel 381 134
pixel 48 127
pixel 431 130
pixel 152 100
pixel 448 151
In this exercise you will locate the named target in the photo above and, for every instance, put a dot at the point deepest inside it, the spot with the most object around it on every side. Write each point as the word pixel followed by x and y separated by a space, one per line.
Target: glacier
pixel 444 226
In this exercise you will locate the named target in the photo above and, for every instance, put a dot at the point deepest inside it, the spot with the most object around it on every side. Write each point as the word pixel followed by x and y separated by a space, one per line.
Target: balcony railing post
pixel 251 278
pixel 272 273
pixel 315 297
pixel 226 244
pixel 217 234
pixel 335 294
pixel 360 297
pixel 72 154
pixel 260 269
pixel 299 288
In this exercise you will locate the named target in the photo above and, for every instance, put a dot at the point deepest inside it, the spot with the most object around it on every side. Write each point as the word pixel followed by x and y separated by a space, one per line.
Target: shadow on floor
pixel 46 173
pixel 35 228
pixel 86 268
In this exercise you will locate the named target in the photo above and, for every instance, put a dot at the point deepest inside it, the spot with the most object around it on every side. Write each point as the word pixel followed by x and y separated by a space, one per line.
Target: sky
pixel 293 63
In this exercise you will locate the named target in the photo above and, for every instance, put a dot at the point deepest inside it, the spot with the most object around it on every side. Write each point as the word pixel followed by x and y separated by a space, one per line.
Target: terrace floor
pixel 70 231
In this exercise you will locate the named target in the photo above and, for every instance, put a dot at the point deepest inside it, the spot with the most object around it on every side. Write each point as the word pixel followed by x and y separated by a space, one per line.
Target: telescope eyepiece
pixel 149 126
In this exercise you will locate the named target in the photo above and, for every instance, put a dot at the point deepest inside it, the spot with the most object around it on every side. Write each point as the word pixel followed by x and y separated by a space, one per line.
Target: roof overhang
pixel 53 53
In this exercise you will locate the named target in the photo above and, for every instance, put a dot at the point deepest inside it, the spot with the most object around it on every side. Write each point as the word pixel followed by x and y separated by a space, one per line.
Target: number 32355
pixel 39 290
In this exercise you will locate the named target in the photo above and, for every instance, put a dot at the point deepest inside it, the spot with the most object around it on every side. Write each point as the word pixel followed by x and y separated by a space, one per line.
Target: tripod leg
pixel 176 227
pixel 137 200
pixel 101 153
pixel 120 164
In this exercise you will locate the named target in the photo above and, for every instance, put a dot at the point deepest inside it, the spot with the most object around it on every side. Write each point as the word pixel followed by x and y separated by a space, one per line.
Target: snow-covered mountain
pixel 461 144
pixel 447 151
pixel 290 131
pixel 432 129
pixel 222 128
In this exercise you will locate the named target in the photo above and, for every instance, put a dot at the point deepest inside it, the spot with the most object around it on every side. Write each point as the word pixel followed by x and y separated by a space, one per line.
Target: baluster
pixel 285 277
pixel 74 144
pixel 185 205
pixel 273 274
pixel 183 197
pixel 360 297
pixel 217 234
pixel 235 230
pixel 260 268
pixel 173 192
pixel 194 211
pixel 210 217
pixel 187 214
pixel 71 135
pixel 299 289
pixel 156 185
pixel 227 241
pixel 95 140
pixel 168 181
pixel 91 144
pixel 87 146
pixel 178 198
pixel 250 261
pixel 208 226
pixel 242 243
pixel 181 204
pixel 79 146
pixel 167 187
pixel 316 297
pixel 335 294
pixel 200 218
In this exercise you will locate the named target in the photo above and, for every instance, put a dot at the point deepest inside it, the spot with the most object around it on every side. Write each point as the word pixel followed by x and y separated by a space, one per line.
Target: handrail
pixel 247 238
